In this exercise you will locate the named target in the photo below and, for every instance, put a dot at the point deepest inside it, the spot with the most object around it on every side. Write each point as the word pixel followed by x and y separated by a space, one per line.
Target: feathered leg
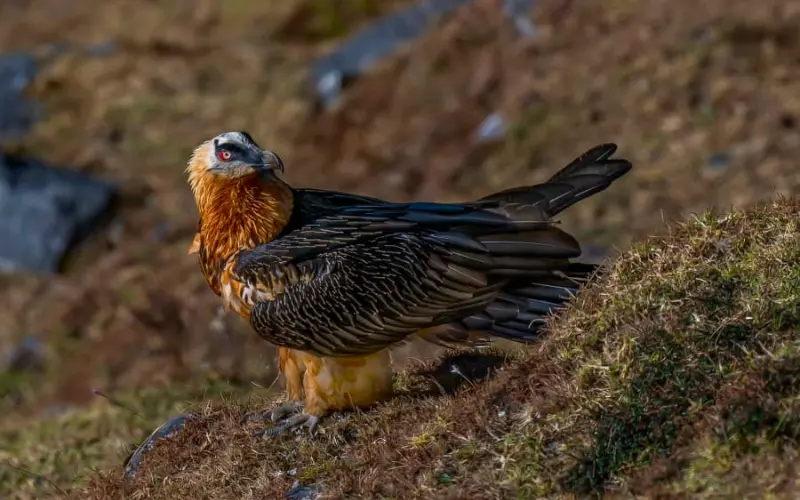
pixel 334 384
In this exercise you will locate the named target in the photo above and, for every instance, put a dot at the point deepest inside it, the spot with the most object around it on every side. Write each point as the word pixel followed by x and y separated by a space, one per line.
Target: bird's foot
pixel 291 423
pixel 279 412
pixel 288 416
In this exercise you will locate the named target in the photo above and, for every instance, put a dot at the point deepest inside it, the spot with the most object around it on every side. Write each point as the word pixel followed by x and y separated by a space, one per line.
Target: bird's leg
pixel 280 412
pixel 306 414
pixel 337 384
pixel 285 410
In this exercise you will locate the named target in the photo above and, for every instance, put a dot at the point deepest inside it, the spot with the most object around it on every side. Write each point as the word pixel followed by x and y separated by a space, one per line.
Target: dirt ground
pixel 704 98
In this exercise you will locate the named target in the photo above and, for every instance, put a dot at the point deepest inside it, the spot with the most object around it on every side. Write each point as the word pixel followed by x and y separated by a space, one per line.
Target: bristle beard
pixel 197 167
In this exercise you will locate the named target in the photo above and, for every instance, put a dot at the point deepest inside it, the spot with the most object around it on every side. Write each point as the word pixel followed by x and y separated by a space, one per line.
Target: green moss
pixel 681 319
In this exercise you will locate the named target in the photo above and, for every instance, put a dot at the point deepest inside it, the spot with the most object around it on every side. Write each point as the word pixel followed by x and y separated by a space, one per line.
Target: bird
pixel 338 280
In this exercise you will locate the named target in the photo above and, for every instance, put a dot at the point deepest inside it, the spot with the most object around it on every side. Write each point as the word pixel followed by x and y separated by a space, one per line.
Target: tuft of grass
pixel 673 374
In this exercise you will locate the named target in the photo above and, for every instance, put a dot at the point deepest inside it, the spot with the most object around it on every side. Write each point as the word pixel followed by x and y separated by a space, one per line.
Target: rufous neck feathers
pixel 236 213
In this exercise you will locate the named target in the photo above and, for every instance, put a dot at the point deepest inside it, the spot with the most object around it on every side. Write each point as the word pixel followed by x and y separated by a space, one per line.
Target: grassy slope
pixel 674 374
pixel 43 456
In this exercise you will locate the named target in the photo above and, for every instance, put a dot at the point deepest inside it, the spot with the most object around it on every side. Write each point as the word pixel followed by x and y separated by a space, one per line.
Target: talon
pixel 291 423
pixel 275 414
pixel 285 410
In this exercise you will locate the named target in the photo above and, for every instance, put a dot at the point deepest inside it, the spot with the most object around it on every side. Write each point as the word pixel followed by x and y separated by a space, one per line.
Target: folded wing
pixel 355 283
pixel 352 275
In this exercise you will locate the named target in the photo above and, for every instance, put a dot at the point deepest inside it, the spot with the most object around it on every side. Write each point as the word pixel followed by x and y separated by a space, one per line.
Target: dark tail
pixel 535 264
pixel 529 264
pixel 588 174
pixel 520 310
pixel 529 251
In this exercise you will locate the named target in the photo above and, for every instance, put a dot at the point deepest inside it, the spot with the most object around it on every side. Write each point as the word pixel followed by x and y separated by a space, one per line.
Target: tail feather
pixel 549 242
pixel 519 312
pixel 590 173
pixel 593 162
pixel 529 258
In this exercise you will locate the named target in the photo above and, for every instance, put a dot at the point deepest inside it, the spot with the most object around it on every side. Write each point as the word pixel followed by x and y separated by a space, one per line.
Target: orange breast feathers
pixel 235 213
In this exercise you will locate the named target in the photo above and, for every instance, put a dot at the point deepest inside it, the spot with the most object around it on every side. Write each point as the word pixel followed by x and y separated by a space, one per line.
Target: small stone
pixel 102 49
pixel 519 12
pixel 167 429
pixel 26 356
pixel 719 161
pixel 299 492
pixel 493 128
pixel 17 113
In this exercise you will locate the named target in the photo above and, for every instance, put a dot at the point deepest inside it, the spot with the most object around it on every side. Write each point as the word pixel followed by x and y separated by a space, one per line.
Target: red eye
pixel 224 155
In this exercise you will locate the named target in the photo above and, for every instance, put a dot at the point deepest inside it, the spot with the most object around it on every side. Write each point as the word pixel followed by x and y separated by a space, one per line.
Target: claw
pixel 292 415
pixel 285 410
pixel 276 414
pixel 292 423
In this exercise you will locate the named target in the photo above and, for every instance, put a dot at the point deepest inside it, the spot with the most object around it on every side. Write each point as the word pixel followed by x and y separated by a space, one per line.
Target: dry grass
pixel 40 456
pixel 675 374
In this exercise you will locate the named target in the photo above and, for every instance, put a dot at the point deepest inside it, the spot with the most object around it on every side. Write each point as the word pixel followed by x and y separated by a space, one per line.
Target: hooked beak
pixel 270 161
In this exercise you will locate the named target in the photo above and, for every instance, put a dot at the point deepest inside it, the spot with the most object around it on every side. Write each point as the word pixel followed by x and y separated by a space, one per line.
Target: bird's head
pixel 233 155
pixel 236 187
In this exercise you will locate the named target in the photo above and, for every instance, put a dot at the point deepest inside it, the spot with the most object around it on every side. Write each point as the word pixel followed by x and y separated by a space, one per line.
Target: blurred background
pixel 102 102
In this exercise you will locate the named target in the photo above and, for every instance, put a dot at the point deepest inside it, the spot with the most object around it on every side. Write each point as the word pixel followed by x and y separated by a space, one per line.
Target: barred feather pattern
pixel 361 298
pixel 349 275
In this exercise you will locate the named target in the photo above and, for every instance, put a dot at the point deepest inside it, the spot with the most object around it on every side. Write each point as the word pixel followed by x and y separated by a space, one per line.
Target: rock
pixel 298 492
pixel 28 355
pixel 166 430
pixel 17 113
pixel 379 39
pixel 718 161
pixel 383 37
pixel 44 211
pixel 102 49
pixel 493 128
pixel 519 11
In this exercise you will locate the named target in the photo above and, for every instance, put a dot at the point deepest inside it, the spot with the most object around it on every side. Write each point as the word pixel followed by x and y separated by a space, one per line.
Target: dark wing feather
pixel 360 223
pixel 359 298
pixel 311 204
